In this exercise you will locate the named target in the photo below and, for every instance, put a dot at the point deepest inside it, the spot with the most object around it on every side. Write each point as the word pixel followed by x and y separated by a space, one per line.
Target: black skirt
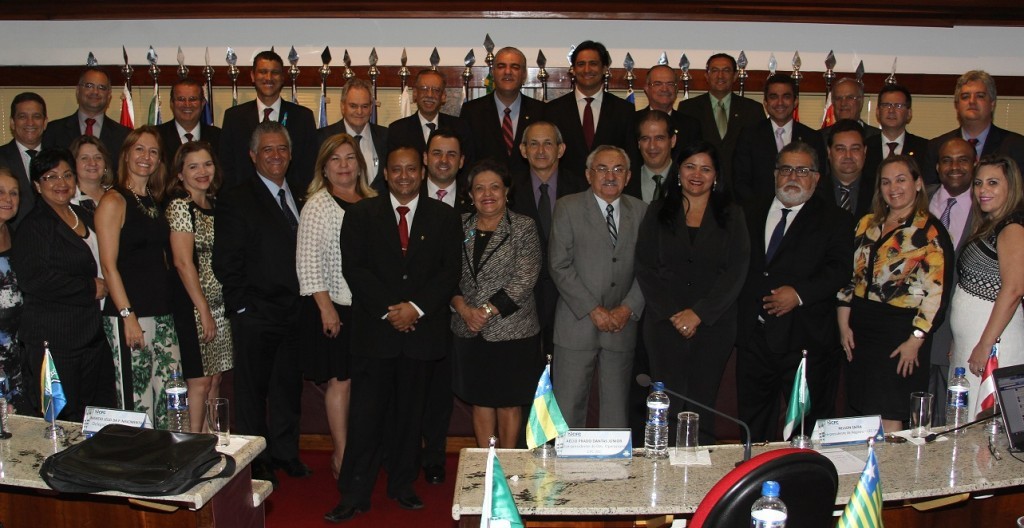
pixel 498 373
pixel 324 357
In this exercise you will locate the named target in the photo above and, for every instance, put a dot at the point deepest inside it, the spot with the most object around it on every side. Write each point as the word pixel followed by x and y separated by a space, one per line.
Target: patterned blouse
pixel 318 251
pixel 906 268
pixel 979 263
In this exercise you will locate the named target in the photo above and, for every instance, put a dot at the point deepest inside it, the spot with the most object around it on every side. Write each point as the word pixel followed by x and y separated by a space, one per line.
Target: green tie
pixel 722 120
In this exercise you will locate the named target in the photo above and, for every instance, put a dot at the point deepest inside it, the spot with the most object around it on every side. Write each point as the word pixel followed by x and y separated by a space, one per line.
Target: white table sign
pixel 595 443
pixel 843 431
pixel 98 417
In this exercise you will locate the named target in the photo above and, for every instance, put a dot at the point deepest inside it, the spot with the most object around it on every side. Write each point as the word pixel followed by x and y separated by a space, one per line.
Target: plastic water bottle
pixel 768 511
pixel 956 400
pixel 177 404
pixel 656 431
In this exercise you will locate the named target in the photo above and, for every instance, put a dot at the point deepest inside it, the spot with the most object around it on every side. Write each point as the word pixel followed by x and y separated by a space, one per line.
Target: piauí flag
pixel 631 98
pixel 546 420
pixel 499 508
pixel 127 108
pixel 52 391
pixel 405 102
pixel 865 507
pixel 987 393
pixel 323 107
pixel 208 97
pixel 489 81
pixel 828 117
pixel 799 400
pixel 154 107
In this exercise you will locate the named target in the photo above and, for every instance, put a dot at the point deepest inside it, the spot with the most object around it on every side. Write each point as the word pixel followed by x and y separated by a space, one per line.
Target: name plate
pixel 97 418
pixel 595 443
pixel 846 431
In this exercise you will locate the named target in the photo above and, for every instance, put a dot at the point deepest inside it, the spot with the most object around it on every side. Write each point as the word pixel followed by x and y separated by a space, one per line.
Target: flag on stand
pixel 546 420
pixel 323 106
pixel 405 102
pixel 828 117
pixel 799 400
pixel 154 107
pixel 631 98
pixel 499 508
pixel 489 81
pixel 208 97
pixel 865 507
pixel 987 393
pixel 52 391
pixel 127 108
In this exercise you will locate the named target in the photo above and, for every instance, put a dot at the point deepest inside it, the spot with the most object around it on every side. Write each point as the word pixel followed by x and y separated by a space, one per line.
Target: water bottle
pixel 656 431
pixel 177 404
pixel 768 511
pixel 956 400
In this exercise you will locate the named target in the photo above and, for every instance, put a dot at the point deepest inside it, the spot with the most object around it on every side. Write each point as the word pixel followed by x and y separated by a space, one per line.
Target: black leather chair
pixel 807 481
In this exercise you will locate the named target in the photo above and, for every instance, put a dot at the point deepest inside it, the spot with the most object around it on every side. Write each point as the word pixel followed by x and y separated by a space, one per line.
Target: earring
pixel 714 185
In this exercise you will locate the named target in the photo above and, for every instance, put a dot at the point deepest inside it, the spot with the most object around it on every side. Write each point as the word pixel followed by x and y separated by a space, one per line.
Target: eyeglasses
pixel 53 177
pixel 94 86
pixel 430 89
pixel 789 170
pixel 617 170
pixel 189 100
pixel 661 84
pixel 853 98
pixel 892 106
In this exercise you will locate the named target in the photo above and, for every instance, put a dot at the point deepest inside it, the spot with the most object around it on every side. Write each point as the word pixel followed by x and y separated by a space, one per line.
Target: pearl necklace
pixel 73 213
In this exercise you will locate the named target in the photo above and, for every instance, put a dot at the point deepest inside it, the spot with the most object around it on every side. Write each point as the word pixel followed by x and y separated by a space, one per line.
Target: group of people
pixel 454 255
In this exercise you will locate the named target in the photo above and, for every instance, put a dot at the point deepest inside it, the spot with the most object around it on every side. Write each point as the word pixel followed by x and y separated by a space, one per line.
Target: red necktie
pixel 403 228
pixel 506 131
pixel 266 114
pixel 588 124
pixel 441 193
pixel 89 122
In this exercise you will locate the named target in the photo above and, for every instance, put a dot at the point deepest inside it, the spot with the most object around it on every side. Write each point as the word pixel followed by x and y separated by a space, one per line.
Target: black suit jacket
pixel 999 142
pixel 865 193
pixel 379 136
pixel 481 117
pixel 743 112
pixel 171 141
pixel 687 130
pixel 10 157
pixel 238 125
pixel 754 162
pixel 615 126
pixel 463 202
pixel 254 254
pixel 380 276
pixel 407 132
pixel 815 258
pixel 869 132
pixel 62 132
pixel 913 146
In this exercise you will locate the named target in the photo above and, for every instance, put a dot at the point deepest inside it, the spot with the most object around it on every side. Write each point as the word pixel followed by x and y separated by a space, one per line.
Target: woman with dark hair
pixel 134 255
pixel 55 260
pixel 204 335
pixel 497 359
pixel 986 306
pixel 692 255
pixel 902 274
pixel 11 350
pixel 92 171
pixel 339 180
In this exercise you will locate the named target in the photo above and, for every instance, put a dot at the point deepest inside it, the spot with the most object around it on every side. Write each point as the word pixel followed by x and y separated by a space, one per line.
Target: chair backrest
pixel 807 480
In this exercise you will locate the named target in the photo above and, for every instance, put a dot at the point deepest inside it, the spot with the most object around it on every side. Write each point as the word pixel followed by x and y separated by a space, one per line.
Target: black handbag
pixel 138 461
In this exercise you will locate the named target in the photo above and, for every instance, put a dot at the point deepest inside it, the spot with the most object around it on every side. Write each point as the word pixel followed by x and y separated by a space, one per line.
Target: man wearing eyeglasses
pixel 413 131
pixel 593 240
pixel 847 185
pixel 800 247
pixel 847 103
pixel 187 104
pixel 894 114
pixel 93 96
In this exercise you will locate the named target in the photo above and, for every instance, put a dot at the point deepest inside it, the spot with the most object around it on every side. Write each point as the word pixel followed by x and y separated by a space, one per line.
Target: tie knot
pixel 892 145
pixel 432 126
pixel 610 209
pixel 508 111
pixel 785 212
pixel 90 121
pixel 31 153
pixel 589 100
pixel 281 193
pixel 950 202
pixel 780 131
pixel 973 142
pixel 656 178
pixel 544 188
pixel 358 138
pixel 441 193
pixel 266 113
pixel 189 137
pixel 402 210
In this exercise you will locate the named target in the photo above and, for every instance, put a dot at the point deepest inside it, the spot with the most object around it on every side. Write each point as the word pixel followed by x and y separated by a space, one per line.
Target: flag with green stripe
pixel 546 420
pixel 865 507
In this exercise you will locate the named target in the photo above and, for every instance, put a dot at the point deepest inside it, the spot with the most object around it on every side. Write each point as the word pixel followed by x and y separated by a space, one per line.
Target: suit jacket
pixel 913 146
pixel 254 254
pixel 238 125
pixel 10 157
pixel 687 130
pixel 463 203
pixel 172 141
pixel 615 126
pixel 407 132
pixel 743 112
pixel 481 117
pixel 590 271
pixel 754 162
pixel 62 132
pixel 380 276
pixel 634 186
pixel 999 142
pixel 379 135
pixel 869 132
pixel 865 193
pixel 815 259
pixel 942 337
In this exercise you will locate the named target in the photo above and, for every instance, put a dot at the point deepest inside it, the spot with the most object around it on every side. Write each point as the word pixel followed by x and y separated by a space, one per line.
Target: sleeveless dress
pixel 972 303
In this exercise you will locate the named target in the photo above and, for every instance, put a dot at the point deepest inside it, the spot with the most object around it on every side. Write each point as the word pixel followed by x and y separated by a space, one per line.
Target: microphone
pixel 987 416
pixel 645 381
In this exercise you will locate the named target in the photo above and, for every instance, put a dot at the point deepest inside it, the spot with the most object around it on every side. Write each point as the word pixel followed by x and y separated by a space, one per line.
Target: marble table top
pixel 641 486
pixel 22 455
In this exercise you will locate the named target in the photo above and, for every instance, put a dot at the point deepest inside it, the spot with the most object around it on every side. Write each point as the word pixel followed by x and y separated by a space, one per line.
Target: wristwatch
pixel 125 312
pixel 919 334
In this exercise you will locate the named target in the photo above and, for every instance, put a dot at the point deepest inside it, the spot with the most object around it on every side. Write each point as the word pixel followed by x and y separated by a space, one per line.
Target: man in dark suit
pixel 498 120
pixel 443 161
pixel 657 141
pixel 401 257
pixel 894 114
pixel 413 131
pixel 759 144
pixel 357 106
pixel 28 122
pixel 723 114
pixel 239 122
pixel 588 116
pixel 800 255
pixel 847 185
pixel 950 202
pixel 975 102
pixel 848 103
pixel 187 103
pixel 93 96
pixel 661 88
pixel 254 258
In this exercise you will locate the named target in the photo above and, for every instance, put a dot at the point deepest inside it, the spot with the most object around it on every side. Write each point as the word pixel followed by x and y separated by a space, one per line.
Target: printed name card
pixel 98 417
pixel 595 443
pixel 844 431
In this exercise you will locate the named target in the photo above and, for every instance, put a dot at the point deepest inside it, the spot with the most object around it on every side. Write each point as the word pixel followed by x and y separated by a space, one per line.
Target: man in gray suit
pixel 950 202
pixel 593 238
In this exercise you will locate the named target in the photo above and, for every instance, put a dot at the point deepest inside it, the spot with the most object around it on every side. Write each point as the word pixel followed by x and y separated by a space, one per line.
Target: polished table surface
pixel 644 487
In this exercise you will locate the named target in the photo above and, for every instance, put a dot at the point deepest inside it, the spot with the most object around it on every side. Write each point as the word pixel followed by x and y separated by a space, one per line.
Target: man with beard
pixel 800 247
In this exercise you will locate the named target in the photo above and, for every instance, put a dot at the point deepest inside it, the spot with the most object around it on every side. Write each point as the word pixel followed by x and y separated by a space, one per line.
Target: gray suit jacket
pixel 942 337
pixel 589 271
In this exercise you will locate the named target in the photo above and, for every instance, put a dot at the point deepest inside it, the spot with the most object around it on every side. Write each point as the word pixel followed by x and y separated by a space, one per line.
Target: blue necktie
pixel 776 239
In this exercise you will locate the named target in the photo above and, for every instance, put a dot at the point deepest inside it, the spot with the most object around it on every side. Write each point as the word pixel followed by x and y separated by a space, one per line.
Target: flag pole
pixel 801 441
